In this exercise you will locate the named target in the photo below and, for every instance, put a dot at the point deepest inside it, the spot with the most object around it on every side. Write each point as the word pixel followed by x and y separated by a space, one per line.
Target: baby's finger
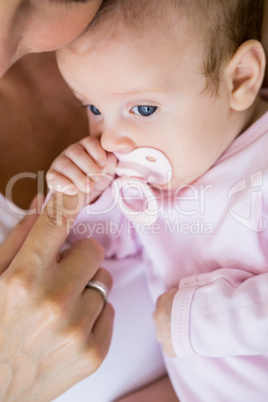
pixel 66 167
pixel 93 147
pixel 110 165
pixel 84 161
pixel 57 182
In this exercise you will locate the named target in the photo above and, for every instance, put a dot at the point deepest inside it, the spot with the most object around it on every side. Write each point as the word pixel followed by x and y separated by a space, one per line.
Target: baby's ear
pixel 245 73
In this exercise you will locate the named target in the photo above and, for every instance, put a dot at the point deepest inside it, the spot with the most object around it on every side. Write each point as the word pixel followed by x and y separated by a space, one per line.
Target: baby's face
pixel 147 92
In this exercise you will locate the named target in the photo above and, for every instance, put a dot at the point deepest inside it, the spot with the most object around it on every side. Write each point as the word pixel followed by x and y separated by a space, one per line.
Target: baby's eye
pixel 144 110
pixel 94 110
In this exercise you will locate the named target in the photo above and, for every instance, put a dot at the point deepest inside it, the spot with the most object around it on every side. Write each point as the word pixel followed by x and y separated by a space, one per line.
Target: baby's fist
pixel 162 320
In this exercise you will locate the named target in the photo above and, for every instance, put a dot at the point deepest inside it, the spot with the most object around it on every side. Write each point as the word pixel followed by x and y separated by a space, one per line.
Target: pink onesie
pixel 210 240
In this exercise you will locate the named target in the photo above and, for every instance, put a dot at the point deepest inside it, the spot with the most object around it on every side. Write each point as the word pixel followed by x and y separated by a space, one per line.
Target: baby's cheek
pixel 95 127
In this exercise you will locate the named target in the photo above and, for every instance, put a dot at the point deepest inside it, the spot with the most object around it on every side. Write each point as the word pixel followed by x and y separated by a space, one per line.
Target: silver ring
pixel 100 287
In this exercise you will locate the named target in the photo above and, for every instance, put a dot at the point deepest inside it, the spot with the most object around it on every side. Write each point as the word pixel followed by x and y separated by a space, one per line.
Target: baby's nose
pixel 112 140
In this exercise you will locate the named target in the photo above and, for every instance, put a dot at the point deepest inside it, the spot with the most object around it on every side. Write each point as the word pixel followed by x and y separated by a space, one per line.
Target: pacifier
pixel 136 171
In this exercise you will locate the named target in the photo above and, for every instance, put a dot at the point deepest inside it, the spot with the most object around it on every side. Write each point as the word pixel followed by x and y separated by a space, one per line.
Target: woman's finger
pixel 103 329
pixel 104 278
pixel 77 266
pixel 41 248
pixel 10 247
pixel 85 317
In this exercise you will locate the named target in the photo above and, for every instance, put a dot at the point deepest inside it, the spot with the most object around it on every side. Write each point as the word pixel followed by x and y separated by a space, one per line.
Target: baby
pixel 180 79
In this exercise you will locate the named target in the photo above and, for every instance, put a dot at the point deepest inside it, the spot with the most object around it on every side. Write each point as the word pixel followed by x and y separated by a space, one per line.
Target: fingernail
pixel 89 187
pixel 83 189
pixel 94 178
pixel 102 162
pixel 50 176
pixel 70 191
pixel 86 189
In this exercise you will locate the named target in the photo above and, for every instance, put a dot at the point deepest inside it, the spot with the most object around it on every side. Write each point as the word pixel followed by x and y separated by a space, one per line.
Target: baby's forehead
pixel 143 17
pixel 116 28
pixel 81 47
pixel 114 41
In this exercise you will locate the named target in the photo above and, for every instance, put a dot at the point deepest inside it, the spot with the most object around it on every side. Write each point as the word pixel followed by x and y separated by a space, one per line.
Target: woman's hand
pixel 53 331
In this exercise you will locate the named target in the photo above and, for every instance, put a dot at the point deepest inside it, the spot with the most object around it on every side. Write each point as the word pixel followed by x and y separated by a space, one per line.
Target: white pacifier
pixel 136 170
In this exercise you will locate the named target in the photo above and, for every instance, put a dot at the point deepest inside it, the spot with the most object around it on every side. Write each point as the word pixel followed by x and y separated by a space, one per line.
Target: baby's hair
pixel 222 24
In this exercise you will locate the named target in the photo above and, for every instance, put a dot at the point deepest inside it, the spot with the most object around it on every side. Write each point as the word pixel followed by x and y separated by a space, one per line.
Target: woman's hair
pixel 223 25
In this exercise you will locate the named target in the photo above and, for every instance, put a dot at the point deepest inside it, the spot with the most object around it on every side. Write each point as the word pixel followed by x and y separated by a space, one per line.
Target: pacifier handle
pixel 138 169
pixel 148 163
pixel 148 215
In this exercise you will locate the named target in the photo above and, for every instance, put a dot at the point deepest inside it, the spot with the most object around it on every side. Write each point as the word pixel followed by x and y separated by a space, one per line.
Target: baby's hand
pixel 162 320
pixel 83 166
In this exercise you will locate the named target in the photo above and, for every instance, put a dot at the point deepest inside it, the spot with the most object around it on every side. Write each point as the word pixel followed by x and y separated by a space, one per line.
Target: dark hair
pixel 223 24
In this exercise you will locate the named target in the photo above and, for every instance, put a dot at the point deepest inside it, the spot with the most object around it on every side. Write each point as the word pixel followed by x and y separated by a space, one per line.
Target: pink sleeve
pixel 220 314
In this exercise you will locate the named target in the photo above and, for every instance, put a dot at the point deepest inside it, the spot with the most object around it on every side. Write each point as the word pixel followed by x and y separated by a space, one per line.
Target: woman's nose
pixel 116 140
pixel 12 26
